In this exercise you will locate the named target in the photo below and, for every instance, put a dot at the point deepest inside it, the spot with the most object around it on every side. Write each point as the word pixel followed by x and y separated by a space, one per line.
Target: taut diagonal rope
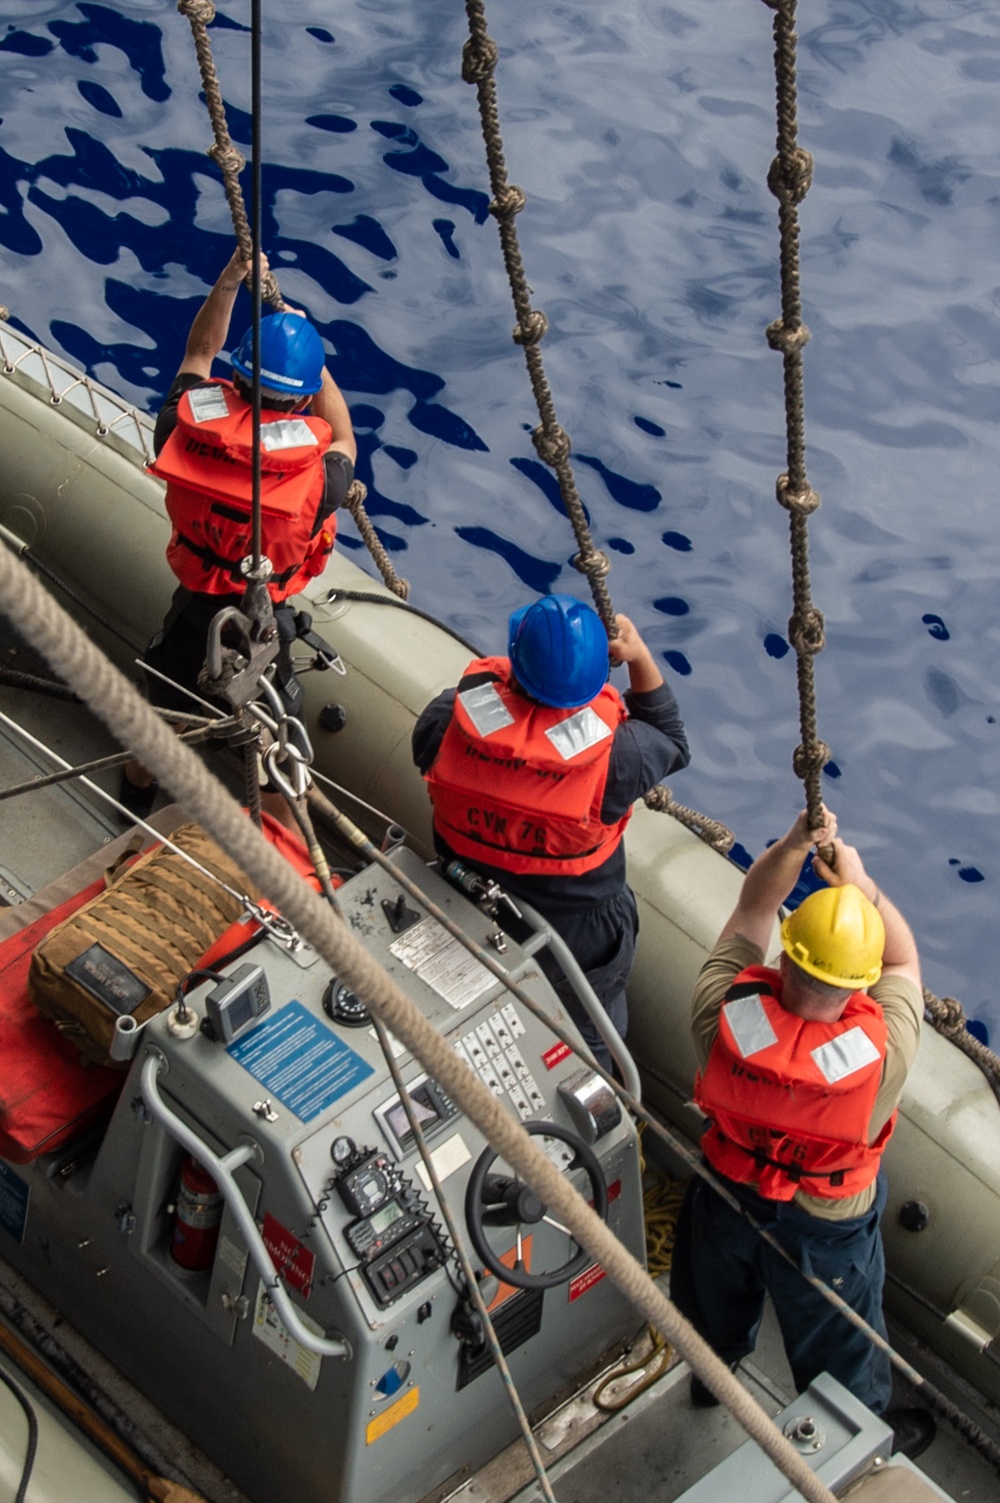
pixel 479 59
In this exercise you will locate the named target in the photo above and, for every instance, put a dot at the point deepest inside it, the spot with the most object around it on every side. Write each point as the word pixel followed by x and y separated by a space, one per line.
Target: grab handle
pixel 222 1171
pixel 545 936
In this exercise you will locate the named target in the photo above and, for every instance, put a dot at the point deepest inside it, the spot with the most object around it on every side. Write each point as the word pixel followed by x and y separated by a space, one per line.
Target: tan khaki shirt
pixel 902 1004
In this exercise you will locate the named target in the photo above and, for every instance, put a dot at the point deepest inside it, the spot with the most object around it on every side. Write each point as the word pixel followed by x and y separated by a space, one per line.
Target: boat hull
pixel 84 506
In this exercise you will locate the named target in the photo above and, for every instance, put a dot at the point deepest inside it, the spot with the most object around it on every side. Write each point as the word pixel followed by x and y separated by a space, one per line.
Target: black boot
pixel 912 1431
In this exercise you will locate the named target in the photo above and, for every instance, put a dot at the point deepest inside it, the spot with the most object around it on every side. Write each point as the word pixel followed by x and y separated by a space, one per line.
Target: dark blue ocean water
pixel 642 134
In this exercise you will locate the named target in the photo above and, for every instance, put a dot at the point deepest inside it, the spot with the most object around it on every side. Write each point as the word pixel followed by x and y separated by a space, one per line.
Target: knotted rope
pixel 355 503
pixel 948 1016
pixel 552 442
pixel 226 156
pixel 230 161
pixel 712 831
pixel 789 179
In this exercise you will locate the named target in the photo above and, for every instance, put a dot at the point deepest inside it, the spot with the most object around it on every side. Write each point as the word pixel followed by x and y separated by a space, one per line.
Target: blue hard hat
pixel 291 355
pixel 558 649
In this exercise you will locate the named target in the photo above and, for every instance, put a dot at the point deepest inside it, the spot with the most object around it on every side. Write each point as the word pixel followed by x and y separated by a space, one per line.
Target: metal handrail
pixel 222 1171
pixel 44 370
pixel 545 935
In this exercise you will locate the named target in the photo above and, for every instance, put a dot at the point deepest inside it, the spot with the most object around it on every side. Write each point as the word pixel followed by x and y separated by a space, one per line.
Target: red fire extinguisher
pixel 197 1217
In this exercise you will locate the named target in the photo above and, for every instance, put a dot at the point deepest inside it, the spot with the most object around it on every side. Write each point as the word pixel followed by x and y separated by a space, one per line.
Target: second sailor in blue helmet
pixel 533 763
pixel 203 447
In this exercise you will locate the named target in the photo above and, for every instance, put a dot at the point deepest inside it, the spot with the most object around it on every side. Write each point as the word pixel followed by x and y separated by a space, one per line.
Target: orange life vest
pixel 519 785
pixel 207 463
pixel 790 1100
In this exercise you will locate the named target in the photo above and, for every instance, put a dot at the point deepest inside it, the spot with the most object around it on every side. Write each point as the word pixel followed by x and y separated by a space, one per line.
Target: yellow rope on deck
pixel 661 1204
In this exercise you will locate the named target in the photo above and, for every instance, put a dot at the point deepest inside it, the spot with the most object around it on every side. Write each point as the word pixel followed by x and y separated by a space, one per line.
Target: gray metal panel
pixel 849 1440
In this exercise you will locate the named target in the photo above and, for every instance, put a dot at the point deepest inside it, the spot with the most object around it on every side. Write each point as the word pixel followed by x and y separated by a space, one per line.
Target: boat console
pixel 253 1239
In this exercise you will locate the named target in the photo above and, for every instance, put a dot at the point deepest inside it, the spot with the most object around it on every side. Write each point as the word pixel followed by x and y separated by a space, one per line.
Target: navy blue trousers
pixel 602 940
pixel 721 1270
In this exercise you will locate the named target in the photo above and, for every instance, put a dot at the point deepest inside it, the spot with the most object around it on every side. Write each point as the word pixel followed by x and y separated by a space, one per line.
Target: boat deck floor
pixel 655 1448
pixel 660 1445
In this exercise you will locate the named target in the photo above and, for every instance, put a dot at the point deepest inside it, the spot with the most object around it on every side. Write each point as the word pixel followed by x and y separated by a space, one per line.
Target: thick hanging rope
pixel 355 503
pixel 226 156
pixel 111 697
pixel 552 442
pixel 789 179
pixel 231 162
pixel 479 59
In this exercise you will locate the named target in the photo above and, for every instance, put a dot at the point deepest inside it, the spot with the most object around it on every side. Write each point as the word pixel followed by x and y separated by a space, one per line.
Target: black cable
pixel 14 679
pixel 369 597
pixel 331 1278
pixel 180 993
pixel 32 1447
pixel 319 1206
pixel 255 284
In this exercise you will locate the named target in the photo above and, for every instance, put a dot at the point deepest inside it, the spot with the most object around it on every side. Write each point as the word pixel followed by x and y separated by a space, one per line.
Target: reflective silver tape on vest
pixel 287 433
pixel 485 709
pixel 208 403
pixel 749 1025
pixel 577 733
pixel 841 1056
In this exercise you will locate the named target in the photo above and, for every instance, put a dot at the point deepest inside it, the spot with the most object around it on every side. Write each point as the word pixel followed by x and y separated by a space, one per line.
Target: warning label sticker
pixel 392 1416
pixel 269 1328
pixel 291 1258
pixel 585 1280
pixel 299 1060
pixel 440 961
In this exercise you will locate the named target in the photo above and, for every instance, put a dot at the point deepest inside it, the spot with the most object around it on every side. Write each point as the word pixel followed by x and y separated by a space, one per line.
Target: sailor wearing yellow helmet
pixel 801 1067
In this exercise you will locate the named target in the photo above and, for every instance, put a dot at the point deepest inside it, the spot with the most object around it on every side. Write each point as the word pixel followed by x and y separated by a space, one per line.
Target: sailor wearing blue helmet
pixel 203 446
pixel 533 764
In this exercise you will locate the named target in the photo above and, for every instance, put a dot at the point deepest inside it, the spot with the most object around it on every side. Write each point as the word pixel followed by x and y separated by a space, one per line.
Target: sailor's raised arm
pixel 629 647
pixel 900 956
pixel 772 877
pixel 329 404
pixel 210 330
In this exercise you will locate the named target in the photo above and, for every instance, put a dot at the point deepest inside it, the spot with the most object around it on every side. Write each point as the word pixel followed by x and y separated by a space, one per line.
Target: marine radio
pixel 394 1234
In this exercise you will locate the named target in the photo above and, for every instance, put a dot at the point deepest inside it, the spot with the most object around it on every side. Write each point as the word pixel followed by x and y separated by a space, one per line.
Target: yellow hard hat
pixel 838 936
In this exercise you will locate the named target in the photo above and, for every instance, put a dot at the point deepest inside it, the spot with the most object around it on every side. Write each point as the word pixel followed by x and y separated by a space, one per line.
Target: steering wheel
pixel 504 1200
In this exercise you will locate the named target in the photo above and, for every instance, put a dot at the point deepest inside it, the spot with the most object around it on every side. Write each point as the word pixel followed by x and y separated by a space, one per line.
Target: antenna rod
pixel 255 236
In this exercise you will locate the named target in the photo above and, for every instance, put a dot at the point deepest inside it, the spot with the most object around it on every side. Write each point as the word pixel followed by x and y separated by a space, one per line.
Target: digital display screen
pixel 382 1220
pixel 240 1012
pixel 423 1109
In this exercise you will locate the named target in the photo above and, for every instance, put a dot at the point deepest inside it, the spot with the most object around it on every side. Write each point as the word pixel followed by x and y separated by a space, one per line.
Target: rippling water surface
pixel 642 133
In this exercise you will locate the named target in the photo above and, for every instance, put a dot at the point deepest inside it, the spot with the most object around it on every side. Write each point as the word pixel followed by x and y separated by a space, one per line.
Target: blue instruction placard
pixel 13 1202
pixel 299 1060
